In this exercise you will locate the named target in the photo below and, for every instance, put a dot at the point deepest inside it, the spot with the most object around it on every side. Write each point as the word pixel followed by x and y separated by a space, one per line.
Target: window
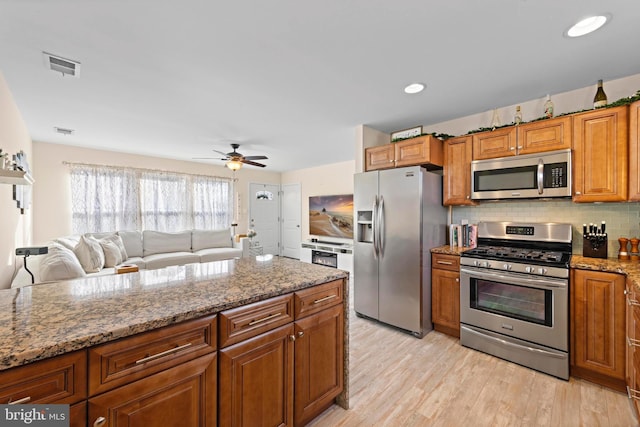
pixel 109 198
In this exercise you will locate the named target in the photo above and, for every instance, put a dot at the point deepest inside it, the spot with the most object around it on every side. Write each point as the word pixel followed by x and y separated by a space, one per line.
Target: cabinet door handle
pixel 457 279
pixel 300 334
pixel 632 302
pixel 264 319
pixel 632 342
pixel 292 337
pixel 163 353
pixel 99 422
pixel 19 401
pixel 318 301
pixel 445 262
pixel 578 193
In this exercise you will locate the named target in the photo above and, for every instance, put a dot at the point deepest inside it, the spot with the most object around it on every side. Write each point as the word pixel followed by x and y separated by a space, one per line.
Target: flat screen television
pixel 331 216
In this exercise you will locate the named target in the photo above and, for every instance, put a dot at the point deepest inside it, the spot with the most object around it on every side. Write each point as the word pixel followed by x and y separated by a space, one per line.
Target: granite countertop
pixel 37 322
pixel 449 250
pixel 613 265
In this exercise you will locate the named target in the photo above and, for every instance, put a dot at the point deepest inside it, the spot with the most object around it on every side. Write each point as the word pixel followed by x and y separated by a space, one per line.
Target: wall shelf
pixel 15 177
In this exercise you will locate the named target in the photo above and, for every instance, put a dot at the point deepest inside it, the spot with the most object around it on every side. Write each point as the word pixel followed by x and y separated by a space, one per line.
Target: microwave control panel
pixel 555 175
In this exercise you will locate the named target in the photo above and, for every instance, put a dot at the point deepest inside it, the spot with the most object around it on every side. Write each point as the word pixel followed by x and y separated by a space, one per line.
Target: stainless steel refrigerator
pixel 399 217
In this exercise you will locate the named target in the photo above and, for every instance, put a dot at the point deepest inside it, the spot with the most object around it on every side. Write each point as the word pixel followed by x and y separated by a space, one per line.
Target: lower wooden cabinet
pixel 633 347
pixel 184 395
pixel 445 293
pixel 319 362
pixel 598 327
pixel 256 380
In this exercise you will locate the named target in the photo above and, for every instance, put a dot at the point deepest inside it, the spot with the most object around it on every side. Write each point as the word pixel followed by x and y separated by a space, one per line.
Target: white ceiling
pixel 292 79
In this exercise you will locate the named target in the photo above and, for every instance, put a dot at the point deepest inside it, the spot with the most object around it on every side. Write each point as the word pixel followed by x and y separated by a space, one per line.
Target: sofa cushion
pixel 69 242
pixel 90 254
pixel 112 254
pixel 116 240
pixel 202 239
pixel 217 254
pixel 60 264
pixel 158 242
pixel 132 241
pixel 161 260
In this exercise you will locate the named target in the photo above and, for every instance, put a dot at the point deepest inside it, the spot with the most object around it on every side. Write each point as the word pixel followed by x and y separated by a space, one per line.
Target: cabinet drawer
pixel 239 324
pixel 312 300
pixel 126 360
pixel 61 379
pixel 445 262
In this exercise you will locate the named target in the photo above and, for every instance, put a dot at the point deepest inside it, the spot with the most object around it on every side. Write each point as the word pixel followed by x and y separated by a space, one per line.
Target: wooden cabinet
pixel 260 375
pixel 600 155
pixel 380 157
pixel 256 380
pixel 528 138
pixel 634 151
pixel 184 395
pixel 425 149
pixel 458 153
pixel 445 293
pixel 633 346
pixel 544 135
pixel 497 143
pixel 598 327
pixel 319 351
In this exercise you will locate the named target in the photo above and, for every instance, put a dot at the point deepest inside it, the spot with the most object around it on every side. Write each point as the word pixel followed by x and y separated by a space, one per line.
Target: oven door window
pixel 518 302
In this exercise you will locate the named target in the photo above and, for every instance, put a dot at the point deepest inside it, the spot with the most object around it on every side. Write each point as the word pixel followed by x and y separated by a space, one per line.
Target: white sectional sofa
pixel 100 253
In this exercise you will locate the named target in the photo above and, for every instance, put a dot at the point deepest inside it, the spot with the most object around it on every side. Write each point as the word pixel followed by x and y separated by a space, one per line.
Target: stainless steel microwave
pixel 528 176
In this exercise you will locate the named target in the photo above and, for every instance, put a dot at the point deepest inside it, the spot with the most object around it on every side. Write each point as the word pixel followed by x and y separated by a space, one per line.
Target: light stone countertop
pixel 37 322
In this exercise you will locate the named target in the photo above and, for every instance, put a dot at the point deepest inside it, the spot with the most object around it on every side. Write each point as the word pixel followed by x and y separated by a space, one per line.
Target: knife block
pixel 594 246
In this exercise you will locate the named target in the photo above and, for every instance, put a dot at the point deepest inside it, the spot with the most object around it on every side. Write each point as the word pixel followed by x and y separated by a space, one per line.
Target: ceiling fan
pixel 235 160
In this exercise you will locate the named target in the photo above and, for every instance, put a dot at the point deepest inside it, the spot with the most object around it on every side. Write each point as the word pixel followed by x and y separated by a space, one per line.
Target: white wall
pixel 15 228
pixel 336 178
pixel 52 194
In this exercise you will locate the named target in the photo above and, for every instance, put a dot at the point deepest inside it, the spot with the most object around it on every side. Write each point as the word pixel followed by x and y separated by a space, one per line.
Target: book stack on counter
pixel 463 235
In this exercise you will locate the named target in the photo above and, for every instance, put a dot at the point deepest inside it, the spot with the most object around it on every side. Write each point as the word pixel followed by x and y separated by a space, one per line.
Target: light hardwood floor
pixel 399 380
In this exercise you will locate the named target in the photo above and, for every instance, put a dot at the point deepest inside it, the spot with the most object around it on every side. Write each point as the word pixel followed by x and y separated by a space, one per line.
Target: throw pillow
pixel 112 254
pixel 90 254
pixel 117 240
pixel 60 264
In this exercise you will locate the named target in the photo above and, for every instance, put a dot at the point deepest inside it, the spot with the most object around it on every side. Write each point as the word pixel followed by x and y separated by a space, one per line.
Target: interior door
pixel 264 216
pixel 291 220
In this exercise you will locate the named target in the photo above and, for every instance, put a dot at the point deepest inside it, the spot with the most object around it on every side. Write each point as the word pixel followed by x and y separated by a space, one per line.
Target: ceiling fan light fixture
pixel 234 165
pixel 587 25
pixel 414 88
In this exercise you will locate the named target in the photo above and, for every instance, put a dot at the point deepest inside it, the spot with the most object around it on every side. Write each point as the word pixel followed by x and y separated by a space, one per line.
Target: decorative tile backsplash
pixel 623 219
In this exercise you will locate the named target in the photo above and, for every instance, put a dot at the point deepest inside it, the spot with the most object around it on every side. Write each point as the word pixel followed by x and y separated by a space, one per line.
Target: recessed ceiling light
pixel 414 88
pixel 63 131
pixel 587 25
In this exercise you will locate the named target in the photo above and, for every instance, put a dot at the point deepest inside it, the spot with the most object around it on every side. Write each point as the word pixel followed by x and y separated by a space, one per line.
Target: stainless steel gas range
pixel 514 294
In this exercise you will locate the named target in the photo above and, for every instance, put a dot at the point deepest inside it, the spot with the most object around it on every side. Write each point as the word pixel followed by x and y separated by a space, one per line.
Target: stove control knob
pixel 475 262
pixel 529 270
pixel 542 270
pixel 507 266
pixel 484 264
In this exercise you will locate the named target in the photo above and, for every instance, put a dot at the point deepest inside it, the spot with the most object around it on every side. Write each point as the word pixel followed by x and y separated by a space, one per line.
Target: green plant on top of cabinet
pixel 600 161
pixel 458 153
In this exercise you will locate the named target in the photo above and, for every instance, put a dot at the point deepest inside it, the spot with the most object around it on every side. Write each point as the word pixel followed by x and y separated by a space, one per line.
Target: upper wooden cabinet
pixel 458 153
pixel 425 149
pixel 600 155
pixel 634 151
pixel 544 135
pixel 496 143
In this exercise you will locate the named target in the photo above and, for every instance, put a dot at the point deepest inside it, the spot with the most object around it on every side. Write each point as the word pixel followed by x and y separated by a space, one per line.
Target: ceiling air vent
pixel 62 65
pixel 63 130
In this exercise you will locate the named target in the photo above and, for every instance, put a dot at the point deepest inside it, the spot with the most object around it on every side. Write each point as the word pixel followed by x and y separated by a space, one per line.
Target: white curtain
pixel 103 199
pixel 110 199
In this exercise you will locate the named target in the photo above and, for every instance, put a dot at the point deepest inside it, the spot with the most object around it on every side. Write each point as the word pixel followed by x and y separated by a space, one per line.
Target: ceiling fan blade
pixel 220 152
pixel 256 158
pixel 249 162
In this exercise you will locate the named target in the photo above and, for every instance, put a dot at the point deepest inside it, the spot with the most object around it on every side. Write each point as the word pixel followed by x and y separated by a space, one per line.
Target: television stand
pixel 332 254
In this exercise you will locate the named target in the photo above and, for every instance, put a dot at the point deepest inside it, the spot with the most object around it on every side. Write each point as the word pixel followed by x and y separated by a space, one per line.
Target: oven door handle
pixel 546 283
pixel 506 343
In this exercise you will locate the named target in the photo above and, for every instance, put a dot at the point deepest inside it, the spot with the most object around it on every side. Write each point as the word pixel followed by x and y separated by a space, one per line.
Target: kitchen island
pixel 40 323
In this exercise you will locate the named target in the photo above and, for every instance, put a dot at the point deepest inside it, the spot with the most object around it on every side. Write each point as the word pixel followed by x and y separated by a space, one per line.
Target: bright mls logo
pixel 34 415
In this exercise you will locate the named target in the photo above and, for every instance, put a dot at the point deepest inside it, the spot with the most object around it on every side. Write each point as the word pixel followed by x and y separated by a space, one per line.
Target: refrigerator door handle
pixel 374 226
pixel 381 227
